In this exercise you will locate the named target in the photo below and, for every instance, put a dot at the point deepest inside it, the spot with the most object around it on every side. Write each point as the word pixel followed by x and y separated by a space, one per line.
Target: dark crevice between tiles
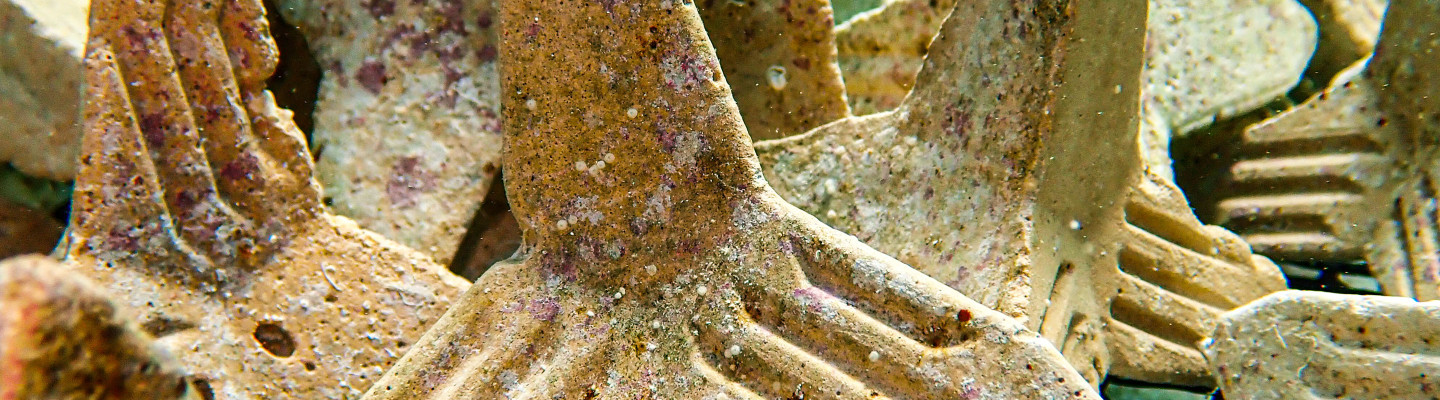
pixel 296 82
pixel 493 234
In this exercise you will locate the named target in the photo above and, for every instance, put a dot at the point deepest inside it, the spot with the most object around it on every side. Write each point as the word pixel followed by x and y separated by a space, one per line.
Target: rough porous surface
pixel 408 122
pixel 1351 173
pixel 202 214
pixel 659 263
pixel 779 58
pixel 40 109
pixel 1218 58
pixel 1309 345
pixel 62 338
pixel 881 50
pixel 988 178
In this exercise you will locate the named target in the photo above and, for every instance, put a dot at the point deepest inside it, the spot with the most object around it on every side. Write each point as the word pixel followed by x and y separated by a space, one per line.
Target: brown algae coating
pixel 779 59
pixel 659 264
pixel 62 337
pixel 196 206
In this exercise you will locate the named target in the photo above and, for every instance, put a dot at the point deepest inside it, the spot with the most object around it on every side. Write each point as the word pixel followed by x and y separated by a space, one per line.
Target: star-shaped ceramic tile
pixel 660 264
pixel 196 207
pixel 779 58
pixel 1020 183
pixel 1349 174
pixel 407 124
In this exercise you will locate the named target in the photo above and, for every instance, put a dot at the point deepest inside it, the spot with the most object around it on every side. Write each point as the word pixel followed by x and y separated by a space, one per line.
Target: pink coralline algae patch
pixel 371 75
pixel 407 181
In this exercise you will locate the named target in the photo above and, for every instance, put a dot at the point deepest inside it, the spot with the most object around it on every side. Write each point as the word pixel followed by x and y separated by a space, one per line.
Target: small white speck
pixel 655 324
pixel 589 313
pixel 632 112
pixel 831 214
pixel 580 166
pixel 650 346
pixel 650 269
pixel 702 290
pixel 1075 224
pixel 776 76
pixel 562 224
pixel 1118 89
pixel 609 158
pixel 530 104
pixel 874 356
pixel 599 165
pixel 734 350
pixel 620 293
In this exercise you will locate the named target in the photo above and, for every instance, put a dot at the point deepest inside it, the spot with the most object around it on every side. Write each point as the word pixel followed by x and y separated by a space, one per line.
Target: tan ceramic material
pixel 1316 345
pixel 62 338
pixel 659 263
pixel 195 206
pixel 1031 197
pixel 40 110
pixel 1348 31
pixel 407 127
pixel 1350 174
pixel 881 50
pixel 779 58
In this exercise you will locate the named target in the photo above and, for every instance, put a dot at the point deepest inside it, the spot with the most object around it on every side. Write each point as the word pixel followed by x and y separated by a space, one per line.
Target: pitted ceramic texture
pixel 407 127
pixel 779 58
pixel 1351 173
pixel 61 337
pixel 881 50
pixel 40 46
pixel 1021 185
pixel 1220 58
pixel 196 207
pixel 659 264
pixel 1312 345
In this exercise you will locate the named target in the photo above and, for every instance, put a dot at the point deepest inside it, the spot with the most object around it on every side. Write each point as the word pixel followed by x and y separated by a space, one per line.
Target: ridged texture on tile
pixel 195 205
pixel 660 264
pixel 1020 184
pixel 1351 173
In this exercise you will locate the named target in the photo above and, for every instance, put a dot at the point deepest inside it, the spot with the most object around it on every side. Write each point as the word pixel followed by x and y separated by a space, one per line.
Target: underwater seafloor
pixel 716 199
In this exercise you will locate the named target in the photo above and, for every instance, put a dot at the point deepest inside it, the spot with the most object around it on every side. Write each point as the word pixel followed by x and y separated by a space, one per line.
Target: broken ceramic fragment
pixel 659 264
pixel 61 337
pixel 40 110
pixel 880 50
pixel 1020 184
pixel 196 206
pixel 407 127
pixel 1308 345
pixel 779 58
pixel 1350 174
